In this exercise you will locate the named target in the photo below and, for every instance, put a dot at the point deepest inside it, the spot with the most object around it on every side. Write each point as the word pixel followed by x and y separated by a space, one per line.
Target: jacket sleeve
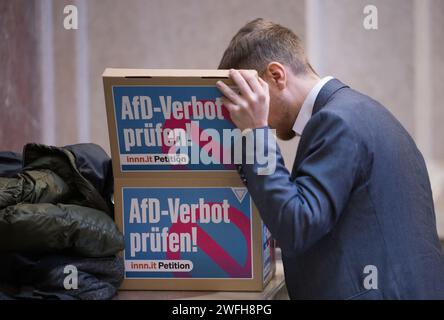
pixel 32 186
pixel 53 228
pixel 300 211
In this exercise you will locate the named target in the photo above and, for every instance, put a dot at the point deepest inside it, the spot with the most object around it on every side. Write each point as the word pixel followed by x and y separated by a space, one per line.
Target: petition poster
pixel 203 233
pixel 162 128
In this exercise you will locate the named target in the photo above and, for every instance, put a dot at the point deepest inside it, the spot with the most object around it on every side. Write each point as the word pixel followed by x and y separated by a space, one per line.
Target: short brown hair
pixel 260 42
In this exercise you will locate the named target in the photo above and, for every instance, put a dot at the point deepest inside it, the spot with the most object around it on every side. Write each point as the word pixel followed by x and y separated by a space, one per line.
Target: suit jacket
pixel 355 218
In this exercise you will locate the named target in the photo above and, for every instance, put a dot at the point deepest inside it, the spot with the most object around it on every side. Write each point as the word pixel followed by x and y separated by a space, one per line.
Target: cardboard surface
pixel 168 123
pixel 187 226
pixel 220 245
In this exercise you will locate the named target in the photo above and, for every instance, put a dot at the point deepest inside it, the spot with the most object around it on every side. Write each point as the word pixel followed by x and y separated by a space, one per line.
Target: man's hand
pixel 250 109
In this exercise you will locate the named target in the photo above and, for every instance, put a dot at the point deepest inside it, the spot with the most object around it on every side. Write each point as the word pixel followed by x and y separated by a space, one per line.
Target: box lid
pixel 164 73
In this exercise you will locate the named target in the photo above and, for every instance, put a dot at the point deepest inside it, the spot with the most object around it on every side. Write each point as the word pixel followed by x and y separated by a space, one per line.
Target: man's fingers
pixel 229 105
pixel 252 79
pixel 243 86
pixel 263 83
pixel 229 93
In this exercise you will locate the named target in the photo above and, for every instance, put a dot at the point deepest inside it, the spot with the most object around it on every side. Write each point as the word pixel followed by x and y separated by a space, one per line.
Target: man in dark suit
pixel 355 218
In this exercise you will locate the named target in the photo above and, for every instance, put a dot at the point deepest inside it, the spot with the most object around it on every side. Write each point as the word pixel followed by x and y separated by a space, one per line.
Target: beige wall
pixel 437 105
pixel 144 34
pixel 19 75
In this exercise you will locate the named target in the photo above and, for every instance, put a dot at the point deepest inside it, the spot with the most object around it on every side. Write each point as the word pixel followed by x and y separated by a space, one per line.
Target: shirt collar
pixel 307 107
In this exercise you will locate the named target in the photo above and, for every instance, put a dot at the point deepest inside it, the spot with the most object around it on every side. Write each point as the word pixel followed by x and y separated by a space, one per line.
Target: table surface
pixel 274 290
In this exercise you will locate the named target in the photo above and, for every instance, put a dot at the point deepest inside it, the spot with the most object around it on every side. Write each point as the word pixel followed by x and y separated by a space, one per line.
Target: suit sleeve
pixel 300 212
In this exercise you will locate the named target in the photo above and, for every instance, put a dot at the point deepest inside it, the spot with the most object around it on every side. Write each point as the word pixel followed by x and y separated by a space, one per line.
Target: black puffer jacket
pixel 55 210
pixel 51 207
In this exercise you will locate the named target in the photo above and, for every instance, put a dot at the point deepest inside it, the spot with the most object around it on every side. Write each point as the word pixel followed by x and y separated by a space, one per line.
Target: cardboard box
pixel 187 237
pixel 168 123
pixel 162 198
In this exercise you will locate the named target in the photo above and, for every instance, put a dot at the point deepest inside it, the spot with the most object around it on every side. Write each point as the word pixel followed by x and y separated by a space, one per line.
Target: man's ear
pixel 277 74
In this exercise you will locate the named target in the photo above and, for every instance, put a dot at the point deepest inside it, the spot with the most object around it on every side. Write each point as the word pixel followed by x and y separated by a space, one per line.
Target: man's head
pixel 278 56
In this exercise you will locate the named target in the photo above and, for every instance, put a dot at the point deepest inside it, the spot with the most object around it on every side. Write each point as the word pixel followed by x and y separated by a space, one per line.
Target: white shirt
pixel 307 107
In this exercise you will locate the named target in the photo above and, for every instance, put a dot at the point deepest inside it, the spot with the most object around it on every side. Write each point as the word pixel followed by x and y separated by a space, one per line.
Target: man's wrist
pixel 247 130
